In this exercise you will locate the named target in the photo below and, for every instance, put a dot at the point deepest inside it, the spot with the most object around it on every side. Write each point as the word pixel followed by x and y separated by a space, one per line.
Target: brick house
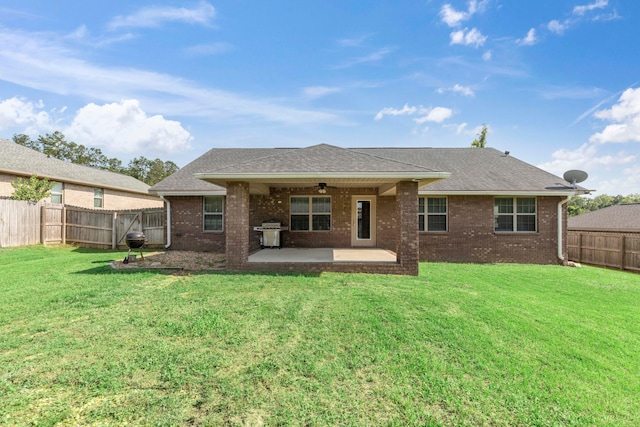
pixel 76 185
pixel 423 204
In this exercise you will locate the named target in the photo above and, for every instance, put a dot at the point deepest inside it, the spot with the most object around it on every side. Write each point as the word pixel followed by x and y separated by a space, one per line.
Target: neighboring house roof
pixel 16 159
pixel 469 170
pixel 622 218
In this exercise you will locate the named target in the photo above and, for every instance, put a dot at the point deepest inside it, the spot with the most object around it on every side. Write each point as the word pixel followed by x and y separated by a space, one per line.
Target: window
pixel 515 214
pixel 310 213
pixel 56 193
pixel 98 197
pixel 213 213
pixel 432 214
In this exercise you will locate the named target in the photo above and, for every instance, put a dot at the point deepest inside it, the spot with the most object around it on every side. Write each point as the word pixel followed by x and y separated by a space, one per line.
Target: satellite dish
pixel 575 176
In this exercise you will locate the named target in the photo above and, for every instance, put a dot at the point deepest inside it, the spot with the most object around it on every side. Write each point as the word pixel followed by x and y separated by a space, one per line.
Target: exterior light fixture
pixel 323 188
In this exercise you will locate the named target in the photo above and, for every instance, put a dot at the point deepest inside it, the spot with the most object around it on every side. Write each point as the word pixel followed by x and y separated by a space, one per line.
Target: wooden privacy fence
pixel 22 223
pixel 109 228
pixel 614 250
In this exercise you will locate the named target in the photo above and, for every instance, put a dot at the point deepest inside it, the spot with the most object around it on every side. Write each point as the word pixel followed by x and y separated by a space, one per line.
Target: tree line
pixel 55 145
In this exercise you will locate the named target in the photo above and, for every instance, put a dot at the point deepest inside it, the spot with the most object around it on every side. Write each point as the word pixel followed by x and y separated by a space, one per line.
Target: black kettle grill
pixel 134 240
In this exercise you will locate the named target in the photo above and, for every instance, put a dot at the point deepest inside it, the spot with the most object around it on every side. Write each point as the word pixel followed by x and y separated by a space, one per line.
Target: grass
pixel 81 344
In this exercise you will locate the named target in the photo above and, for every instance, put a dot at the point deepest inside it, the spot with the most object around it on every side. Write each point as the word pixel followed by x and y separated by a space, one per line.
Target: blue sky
pixel 556 82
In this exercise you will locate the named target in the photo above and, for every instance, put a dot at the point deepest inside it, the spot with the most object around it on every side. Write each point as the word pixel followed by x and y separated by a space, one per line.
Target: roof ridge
pixel 393 160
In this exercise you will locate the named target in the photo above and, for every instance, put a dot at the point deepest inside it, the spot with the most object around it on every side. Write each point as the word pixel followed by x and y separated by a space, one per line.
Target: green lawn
pixel 472 345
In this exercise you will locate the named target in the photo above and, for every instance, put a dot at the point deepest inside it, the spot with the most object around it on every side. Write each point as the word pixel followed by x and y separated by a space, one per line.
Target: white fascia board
pixel 306 175
pixel 501 193
pixel 190 193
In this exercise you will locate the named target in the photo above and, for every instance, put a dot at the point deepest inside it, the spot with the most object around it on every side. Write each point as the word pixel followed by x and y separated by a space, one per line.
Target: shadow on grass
pixel 108 270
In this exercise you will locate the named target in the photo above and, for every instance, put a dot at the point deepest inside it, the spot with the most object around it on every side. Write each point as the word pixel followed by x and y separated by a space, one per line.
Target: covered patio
pixel 326 255
pixel 345 211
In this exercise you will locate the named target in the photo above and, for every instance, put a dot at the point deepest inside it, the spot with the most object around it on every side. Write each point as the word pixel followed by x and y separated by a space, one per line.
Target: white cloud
pixel 314 92
pixel 43 61
pixel 395 112
pixel 530 38
pixel 626 182
pixel 487 55
pixel 437 115
pixel 458 88
pixel 466 37
pixel 625 116
pixel 156 16
pixel 585 158
pixel 578 14
pixel 125 127
pixel 599 4
pixel 557 27
pixel 18 112
pixel 453 17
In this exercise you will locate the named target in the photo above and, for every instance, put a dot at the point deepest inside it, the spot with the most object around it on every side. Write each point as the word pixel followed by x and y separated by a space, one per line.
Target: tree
pixel 55 145
pixel 481 141
pixel 579 205
pixel 33 189
pixel 150 171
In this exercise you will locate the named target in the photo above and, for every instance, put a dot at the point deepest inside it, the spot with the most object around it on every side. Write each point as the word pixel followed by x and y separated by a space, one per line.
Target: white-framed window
pixel 515 214
pixel 98 198
pixel 310 213
pixel 213 213
pixel 56 193
pixel 432 214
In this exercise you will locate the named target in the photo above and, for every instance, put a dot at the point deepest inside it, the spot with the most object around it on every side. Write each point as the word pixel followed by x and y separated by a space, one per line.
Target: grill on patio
pixel 271 234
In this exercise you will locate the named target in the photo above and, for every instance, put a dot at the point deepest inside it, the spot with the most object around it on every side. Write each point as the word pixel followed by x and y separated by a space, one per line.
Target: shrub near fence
pixel 614 250
pixel 24 223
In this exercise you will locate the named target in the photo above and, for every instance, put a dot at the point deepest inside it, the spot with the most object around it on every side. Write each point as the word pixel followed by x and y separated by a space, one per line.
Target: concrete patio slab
pixel 285 255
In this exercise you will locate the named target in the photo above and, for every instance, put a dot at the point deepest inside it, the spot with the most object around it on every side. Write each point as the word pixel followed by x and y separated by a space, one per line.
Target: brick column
pixel 237 224
pixel 409 245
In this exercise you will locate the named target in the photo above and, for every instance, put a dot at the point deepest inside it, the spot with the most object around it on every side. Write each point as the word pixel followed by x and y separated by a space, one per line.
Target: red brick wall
pixel 471 237
pixel 187 229
pixel 276 207
pixel 237 224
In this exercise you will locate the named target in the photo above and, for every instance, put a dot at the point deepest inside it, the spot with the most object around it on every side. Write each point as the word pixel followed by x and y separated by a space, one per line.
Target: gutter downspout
pixel 168 220
pixel 560 223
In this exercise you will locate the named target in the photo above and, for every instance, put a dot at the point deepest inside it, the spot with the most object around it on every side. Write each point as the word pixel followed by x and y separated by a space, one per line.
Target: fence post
pixel 43 224
pixel 579 247
pixel 114 231
pixel 63 232
pixel 622 254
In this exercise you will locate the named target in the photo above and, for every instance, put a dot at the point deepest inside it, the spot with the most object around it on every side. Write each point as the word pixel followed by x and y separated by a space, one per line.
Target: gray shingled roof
pixel 19 160
pixel 477 170
pixel 472 169
pixel 623 217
